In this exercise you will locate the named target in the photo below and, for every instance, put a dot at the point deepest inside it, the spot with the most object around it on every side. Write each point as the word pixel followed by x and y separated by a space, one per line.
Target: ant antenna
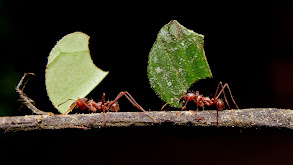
pixel 66 101
pixel 169 102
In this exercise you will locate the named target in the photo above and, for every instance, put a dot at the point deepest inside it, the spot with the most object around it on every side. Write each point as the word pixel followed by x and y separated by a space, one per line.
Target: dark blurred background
pixel 248 45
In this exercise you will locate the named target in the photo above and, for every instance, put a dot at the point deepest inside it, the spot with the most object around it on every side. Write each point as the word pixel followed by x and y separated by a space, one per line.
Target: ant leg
pixel 103 98
pixel 220 83
pixel 132 101
pixel 104 114
pixel 217 95
pixel 164 106
pixel 218 117
pixel 169 103
pixel 222 91
pixel 197 103
pixel 70 109
pixel 71 106
pixel 183 107
pixel 104 108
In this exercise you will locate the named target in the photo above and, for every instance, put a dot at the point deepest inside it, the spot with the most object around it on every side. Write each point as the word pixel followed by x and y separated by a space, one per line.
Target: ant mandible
pixel 202 101
pixel 103 106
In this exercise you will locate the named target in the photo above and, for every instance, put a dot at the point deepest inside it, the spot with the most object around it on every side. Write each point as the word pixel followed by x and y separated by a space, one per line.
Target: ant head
pixel 115 107
pixel 80 104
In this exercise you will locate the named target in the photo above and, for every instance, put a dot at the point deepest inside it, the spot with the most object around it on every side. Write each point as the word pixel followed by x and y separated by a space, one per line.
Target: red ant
pixel 83 104
pixel 202 101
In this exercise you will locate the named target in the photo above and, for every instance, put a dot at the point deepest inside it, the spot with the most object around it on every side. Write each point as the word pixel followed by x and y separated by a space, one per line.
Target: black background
pixel 248 45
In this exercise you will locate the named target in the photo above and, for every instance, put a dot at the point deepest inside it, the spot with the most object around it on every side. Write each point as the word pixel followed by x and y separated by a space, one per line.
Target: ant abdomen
pixel 115 107
pixel 220 104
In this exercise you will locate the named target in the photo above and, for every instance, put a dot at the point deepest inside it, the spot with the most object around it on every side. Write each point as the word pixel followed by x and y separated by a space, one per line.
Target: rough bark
pixel 254 117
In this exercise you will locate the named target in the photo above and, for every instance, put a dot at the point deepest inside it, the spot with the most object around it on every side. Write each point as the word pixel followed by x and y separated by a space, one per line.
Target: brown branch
pixel 255 117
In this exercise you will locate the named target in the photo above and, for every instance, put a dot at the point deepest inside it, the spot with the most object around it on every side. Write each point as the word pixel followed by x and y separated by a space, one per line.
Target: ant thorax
pixel 190 96
pixel 93 106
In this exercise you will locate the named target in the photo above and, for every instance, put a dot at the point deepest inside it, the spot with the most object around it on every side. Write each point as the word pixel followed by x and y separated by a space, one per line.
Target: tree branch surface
pixel 254 117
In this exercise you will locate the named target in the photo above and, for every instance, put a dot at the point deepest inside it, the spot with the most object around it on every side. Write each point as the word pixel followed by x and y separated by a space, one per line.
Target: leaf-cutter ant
pixel 201 101
pixel 103 106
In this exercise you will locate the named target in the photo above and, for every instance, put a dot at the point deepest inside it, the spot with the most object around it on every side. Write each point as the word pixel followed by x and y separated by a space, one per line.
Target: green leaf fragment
pixel 70 72
pixel 176 61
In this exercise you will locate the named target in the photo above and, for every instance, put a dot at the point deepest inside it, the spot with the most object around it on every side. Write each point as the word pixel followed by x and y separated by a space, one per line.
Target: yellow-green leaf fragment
pixel 176 61
pixel 70 72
